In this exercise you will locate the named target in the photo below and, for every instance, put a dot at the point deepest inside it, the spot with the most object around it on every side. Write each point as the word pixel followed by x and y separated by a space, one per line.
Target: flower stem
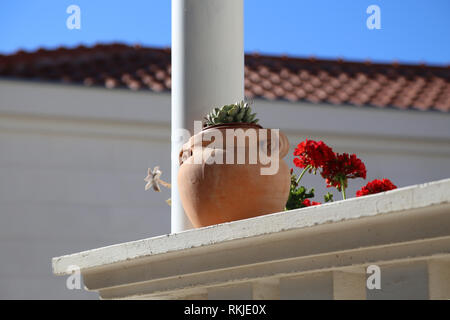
pixel 165 184
pixel 303 172
pixel 343 189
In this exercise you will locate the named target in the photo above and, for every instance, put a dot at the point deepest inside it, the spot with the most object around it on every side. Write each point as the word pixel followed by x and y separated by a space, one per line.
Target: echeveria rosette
pixel 239 112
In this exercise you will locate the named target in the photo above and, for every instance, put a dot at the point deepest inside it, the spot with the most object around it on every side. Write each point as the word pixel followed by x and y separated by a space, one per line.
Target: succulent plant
pixel 237 112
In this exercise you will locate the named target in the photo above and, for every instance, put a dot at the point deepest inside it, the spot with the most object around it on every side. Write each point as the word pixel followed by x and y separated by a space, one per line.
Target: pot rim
pixel 233 125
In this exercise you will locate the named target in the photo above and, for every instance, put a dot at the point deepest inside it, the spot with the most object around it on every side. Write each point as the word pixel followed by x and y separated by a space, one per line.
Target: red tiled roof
pixel 271 77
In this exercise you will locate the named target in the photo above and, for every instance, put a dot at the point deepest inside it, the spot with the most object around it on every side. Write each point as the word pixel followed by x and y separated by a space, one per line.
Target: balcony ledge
pixel 319 252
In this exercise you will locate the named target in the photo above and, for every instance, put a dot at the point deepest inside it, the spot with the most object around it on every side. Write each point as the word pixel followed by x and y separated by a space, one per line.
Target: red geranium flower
pixel 343 167
pixel 313 154
pixel 376 186
pixel 308 203
pixel 335 168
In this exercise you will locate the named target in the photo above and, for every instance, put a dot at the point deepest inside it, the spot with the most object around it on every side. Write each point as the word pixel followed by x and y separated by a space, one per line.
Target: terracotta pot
pixel 214 193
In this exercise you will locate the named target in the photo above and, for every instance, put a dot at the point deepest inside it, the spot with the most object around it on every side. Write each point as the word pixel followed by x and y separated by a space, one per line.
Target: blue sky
pixel 411 31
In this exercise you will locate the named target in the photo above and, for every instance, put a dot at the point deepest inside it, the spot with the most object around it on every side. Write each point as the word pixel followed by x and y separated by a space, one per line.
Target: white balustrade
pixel 320 252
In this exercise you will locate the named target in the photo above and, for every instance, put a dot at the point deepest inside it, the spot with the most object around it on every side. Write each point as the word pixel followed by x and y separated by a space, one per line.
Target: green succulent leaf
pixel 237 112
pixel 240 116
pixel 233 112
pixel 251 117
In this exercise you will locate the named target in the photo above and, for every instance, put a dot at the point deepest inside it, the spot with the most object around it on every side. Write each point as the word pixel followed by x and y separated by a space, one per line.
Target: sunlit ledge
pixel 318 252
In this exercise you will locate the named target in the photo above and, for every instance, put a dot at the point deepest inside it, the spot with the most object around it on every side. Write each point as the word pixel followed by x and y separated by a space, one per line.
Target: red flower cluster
pixel 312 153
pixel 376 186
pixel 342 167
pixel 335 168
pixel 308 203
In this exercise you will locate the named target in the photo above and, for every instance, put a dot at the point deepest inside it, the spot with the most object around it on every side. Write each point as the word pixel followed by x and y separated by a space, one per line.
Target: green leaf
pixel 237 112
pixel 328 197
pixel 297 195
pixel 233 112
pixel 240 115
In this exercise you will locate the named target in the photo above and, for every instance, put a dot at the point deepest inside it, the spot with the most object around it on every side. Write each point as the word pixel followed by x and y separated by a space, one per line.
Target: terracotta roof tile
pixel 418 87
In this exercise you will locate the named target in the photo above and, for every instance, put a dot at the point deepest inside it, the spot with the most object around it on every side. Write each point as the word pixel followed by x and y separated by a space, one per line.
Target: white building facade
pixel 73 159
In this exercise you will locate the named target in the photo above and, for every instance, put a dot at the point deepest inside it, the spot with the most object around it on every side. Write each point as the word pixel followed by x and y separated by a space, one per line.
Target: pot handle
pixel 283 145
pixel 186 150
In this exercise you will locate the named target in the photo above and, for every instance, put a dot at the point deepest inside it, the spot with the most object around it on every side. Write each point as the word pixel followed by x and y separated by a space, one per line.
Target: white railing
pixel 338 250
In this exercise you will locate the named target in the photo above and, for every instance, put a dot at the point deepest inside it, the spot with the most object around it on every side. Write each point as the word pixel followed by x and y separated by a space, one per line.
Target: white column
pixel 240 291
pixel 266 289
pixel 439 279
pixel 349 285
pixel 207 70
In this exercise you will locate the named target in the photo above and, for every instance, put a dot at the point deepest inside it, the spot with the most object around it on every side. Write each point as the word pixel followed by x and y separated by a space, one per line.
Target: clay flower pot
pixel 213 193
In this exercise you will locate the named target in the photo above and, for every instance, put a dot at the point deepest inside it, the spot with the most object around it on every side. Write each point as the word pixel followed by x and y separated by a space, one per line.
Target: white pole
pixel 207 71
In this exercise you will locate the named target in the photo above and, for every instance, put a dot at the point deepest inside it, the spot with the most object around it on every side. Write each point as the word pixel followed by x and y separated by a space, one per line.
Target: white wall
pixel 72 164
pixel 73 159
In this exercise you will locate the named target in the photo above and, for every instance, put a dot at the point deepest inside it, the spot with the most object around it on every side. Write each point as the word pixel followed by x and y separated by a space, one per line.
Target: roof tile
pixel 417 87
